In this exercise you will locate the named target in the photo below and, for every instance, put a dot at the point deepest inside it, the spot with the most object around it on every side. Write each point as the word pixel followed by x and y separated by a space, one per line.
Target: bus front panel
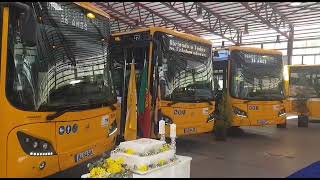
pixel 304 82
pixel 185 78
pixel 58 104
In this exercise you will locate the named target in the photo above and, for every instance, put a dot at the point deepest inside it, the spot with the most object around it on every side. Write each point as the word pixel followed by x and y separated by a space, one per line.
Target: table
pixel 178 169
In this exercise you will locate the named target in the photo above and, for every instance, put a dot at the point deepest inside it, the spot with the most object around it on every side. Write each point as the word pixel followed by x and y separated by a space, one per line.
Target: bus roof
pixel 89 6
pixel 169 31
pixel 254 50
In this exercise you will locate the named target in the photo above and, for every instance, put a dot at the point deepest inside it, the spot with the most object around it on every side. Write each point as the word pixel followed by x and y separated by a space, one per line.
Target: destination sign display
pixel 188 47
pixel 254 58
pixel 71 14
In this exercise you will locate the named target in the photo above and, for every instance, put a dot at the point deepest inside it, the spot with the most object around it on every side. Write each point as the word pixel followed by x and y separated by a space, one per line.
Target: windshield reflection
pixel 256 76
pixel 186 70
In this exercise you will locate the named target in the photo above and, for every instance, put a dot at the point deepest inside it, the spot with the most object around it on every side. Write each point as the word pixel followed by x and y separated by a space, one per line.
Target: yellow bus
pixel 57 101
pixel 304 79
pixel 179 75
pixel 253 79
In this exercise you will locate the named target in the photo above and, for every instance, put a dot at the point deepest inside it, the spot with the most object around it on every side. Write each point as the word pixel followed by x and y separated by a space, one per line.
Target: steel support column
pixel 290 45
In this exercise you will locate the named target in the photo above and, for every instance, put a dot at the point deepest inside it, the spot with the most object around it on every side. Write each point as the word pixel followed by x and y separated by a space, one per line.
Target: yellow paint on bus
pixel 190 117
pixel 55 143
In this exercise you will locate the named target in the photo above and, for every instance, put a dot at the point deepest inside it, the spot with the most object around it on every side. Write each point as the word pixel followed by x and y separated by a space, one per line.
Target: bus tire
pixel 282 126
pixel 303 121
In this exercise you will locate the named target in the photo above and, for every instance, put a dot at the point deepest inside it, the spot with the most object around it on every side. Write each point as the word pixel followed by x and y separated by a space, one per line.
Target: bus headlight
pixel 166 119
pixel 282 112
pixel 113 128
pixel 239 112
pixel 34 146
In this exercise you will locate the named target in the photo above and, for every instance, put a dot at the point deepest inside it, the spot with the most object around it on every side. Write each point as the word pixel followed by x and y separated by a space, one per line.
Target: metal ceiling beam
pixel 280 14
pixel 132 21
pixel 274 21
pixel 177 26
pixel 118 20
pixel 221 33
pixel 303 8
pixel 218 17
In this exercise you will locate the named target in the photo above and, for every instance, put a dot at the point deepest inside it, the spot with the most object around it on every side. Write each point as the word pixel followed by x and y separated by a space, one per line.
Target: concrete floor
pixel 257 152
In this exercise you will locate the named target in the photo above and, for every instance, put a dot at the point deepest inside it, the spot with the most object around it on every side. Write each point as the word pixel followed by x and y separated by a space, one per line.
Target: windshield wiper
pixel 172 103
pixel 81 107
pixel 60 113
pixel 205 100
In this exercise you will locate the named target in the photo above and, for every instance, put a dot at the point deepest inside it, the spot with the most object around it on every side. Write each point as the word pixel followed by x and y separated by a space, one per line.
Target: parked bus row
pixel 61 73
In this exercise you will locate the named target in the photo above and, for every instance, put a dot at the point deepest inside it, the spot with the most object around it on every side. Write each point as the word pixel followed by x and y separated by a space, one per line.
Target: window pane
pixel 308 59
pixel 317 59
pixel 299 44
pixel 296 59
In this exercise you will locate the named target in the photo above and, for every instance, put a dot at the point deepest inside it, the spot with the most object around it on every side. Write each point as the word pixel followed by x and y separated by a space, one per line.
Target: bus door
pixel 220 79
pixel 127 49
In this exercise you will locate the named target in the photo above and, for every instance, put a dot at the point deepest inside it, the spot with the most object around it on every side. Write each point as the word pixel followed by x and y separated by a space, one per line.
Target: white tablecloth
pixel 179 169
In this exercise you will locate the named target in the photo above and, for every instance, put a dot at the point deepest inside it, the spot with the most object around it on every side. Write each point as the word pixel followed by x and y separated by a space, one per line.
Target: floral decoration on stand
pixel 165 147
pixel 109 168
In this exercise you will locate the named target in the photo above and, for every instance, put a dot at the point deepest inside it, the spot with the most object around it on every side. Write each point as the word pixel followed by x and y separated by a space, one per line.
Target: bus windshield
pixel 185 70
pixel 305 81
pixel 69 64
pixel 256 76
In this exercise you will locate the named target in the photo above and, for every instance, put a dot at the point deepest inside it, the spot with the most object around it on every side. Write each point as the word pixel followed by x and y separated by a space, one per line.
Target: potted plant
pixel 302 109
pixel 223 117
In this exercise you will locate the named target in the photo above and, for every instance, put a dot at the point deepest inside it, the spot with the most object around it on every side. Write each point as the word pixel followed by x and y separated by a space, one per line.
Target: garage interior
pixel 233 86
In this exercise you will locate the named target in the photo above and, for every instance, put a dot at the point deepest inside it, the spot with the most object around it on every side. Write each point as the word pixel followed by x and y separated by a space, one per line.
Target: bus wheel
pixel 303 121
pixel 282 126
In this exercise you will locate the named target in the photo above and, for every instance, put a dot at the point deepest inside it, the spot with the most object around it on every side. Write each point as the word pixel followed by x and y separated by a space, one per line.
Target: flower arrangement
pixel 109 168
pixel 165 147
pixel 160 163
pixel 130 151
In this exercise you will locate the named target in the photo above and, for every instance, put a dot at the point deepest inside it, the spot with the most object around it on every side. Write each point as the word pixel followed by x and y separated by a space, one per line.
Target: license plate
pixel 263 122
pixel 190 130
pixel 84 155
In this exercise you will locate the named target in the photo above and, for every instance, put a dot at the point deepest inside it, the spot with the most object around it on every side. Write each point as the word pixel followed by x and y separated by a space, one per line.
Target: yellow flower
pixel 114 169
pixel 110 161
pixel 165 147
pixel 143 168
pixel 98 172
pixel 162 162
pixel 130 151
pixel 120 161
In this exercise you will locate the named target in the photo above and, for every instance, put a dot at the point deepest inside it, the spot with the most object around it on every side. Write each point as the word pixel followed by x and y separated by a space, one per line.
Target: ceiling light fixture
pixel 295 4
pixel 90 15
pixel 199 15
pixel 246 29
pixel 278 39
pixel 75 81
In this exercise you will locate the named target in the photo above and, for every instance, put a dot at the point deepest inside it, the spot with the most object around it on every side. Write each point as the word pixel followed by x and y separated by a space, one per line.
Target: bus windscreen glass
pixel 256 76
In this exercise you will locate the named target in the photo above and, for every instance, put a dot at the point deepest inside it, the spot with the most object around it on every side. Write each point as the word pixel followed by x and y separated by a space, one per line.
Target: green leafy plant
pixel 301 103
pixel 224 116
